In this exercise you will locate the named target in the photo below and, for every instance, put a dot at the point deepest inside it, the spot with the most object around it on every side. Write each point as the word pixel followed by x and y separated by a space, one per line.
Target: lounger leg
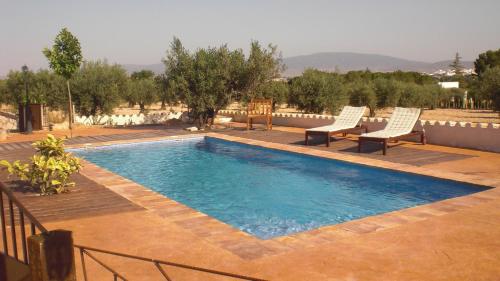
pixel 307 139
pixel 328 139
pixel 385 147
pixel 359 145
pixel 423 139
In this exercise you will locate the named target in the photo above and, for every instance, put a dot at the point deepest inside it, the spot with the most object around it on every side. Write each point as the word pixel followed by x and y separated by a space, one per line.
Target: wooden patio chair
pixel 260 108
pixel 400 126
pixel 348 121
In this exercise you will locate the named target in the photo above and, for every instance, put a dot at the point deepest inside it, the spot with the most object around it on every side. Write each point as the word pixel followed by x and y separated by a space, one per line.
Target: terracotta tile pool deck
pixel 454 239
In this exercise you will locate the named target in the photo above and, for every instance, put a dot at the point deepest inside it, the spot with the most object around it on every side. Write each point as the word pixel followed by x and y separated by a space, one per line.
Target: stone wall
pixel 481 136
pixel 132 119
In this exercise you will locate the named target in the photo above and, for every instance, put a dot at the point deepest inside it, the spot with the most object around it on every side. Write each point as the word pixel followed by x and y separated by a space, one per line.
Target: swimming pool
pixel 264 192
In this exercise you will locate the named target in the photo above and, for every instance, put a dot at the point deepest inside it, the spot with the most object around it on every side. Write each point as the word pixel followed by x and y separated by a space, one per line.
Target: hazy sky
pixel 139 32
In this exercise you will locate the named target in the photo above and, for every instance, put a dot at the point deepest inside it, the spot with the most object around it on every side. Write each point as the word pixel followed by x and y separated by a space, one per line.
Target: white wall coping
pixel 463 124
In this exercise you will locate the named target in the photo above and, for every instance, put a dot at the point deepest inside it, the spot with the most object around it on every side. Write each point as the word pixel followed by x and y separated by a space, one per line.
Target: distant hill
pixel 342 61
pixel 157 68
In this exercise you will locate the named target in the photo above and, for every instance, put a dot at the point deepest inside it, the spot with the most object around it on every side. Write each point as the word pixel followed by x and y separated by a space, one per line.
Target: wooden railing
pixel 11 203
pixel 87 251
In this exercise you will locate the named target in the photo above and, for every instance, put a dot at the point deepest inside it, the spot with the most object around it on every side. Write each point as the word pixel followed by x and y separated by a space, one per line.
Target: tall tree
pixel 209 79
pixel 262 65
pixel 487 60
pixel 65 58
pixel 457 65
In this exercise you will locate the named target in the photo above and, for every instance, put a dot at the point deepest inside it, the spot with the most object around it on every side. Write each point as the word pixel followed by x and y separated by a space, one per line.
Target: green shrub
pixel 489 86
pixel 362 94
pixel 388 92
pixel 50 168
pixel 316 91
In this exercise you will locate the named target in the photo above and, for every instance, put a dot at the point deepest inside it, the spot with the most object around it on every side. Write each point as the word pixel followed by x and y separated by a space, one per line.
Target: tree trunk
pixel 163 105
pixel 70 107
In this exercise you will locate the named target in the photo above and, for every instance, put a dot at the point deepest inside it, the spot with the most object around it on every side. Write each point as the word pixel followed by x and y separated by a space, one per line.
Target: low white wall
pixel 481 136
pixel 132 119
pixel 8 123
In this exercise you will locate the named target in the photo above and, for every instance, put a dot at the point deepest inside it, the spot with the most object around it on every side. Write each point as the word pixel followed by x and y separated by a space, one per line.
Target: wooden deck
pixel 87 199
pixel 396 153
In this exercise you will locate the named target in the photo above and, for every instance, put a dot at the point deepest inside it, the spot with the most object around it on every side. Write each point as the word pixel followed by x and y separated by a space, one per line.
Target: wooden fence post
pixel 51 256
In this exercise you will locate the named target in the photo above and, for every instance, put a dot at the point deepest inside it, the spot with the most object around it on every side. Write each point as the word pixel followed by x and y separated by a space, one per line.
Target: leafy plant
pixel 50 168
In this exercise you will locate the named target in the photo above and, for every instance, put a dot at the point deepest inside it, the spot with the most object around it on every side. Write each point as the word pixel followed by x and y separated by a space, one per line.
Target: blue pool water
pixel 264 192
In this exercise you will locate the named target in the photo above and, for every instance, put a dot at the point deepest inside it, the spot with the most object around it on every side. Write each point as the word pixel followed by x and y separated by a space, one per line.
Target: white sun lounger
pixel 347 122
pixel 400 125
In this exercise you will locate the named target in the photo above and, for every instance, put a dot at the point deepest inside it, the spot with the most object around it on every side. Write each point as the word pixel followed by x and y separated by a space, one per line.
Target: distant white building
pixel 280 79
pixel 449 85
pixel 451 72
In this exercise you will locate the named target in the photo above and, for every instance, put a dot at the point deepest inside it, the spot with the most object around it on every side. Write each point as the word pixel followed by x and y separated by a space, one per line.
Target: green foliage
pixel 401 76
pixel 363 94
pixel 209 79
pixel 262 65
pixel 166 91
pixel 65 56
pixel 3 91
pixel 142 90
pixel 487 60
pixel 48 89
pixel 489 86
pixel 14 87
pixel 143 74
pixel 316 91
pixel 98 87
pixel 276 90
pixel 388 92
pixel 49 170
pixel 44 87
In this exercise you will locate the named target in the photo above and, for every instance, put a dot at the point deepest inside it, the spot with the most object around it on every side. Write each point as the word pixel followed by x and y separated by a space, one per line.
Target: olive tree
pixel 263 64
pixel 99 87
pixel 489 86
pixel 276 90
pixel 316 91
pixel 166 91
pixel 142 89
pixel 210 78
pixel 65 57
pixel 363 94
